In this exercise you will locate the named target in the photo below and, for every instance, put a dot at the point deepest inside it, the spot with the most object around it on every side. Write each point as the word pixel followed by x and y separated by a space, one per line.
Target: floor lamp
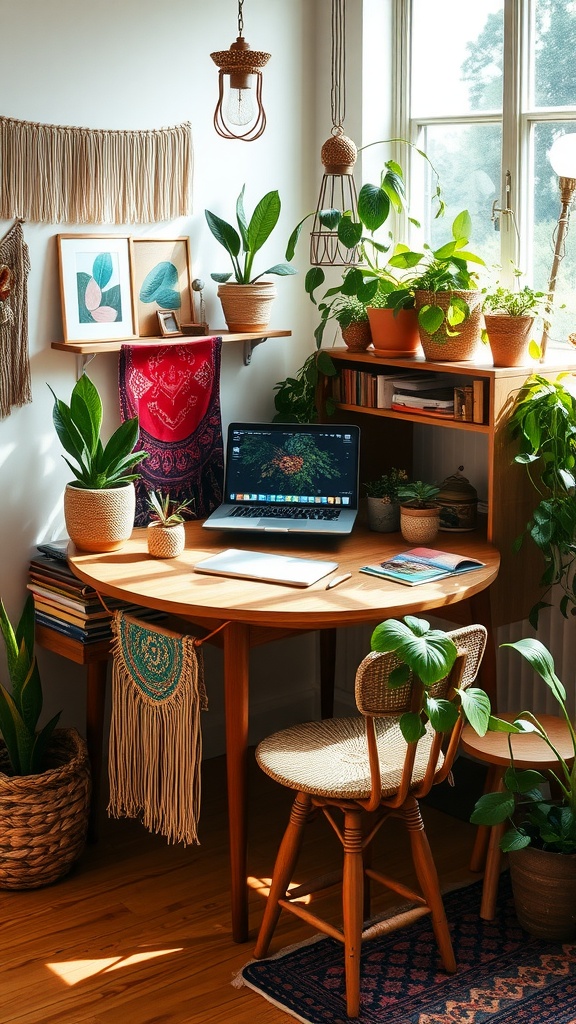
pixel 562 156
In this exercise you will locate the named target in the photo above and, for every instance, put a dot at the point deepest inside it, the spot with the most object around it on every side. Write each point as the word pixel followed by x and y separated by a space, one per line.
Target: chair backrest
pixel 375 699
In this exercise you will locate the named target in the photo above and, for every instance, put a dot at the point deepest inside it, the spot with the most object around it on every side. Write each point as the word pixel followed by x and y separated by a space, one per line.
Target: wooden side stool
pixel 530 751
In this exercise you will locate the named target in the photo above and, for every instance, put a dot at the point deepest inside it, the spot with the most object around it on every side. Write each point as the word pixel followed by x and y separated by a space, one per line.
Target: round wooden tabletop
pixel 173 586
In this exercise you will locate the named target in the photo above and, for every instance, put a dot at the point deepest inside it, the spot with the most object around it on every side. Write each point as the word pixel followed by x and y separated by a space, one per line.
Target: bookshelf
pixel 387 440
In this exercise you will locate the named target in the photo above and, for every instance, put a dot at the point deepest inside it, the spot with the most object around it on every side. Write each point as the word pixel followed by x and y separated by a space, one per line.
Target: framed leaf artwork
pixel 161 280
pixel 96 287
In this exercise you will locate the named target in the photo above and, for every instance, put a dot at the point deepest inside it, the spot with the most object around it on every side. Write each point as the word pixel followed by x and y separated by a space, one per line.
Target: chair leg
pixel 352 906
pixel 428 879
pixel 492 873
pixel 283 869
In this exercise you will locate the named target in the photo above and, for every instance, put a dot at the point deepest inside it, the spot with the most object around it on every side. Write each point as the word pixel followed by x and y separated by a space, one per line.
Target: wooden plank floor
pixel 139 933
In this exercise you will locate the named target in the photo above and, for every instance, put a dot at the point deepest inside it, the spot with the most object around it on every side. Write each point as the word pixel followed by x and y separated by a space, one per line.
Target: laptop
pixel 289 478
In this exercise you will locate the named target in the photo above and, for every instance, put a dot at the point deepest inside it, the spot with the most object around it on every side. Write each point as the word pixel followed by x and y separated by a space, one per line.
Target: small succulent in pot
pixel 418 494
pixel 167 511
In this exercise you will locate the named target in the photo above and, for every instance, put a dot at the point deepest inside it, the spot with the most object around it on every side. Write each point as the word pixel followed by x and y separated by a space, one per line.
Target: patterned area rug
pixel 504 976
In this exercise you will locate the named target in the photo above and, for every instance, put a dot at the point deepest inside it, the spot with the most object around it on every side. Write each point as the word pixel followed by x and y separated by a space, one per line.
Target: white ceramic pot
pixel 99 520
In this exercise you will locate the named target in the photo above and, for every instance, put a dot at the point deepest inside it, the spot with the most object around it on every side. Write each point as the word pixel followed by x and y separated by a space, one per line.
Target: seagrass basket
pixel 462 342
pixel 247 307
pixel 99 520
pixel 44 817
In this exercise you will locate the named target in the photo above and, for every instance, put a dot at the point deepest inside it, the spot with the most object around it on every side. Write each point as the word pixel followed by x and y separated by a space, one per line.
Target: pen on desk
pixel 337 580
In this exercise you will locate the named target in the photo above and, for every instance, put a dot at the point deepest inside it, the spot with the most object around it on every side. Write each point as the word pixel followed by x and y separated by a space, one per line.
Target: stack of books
pixel 432 397
pixel 64 603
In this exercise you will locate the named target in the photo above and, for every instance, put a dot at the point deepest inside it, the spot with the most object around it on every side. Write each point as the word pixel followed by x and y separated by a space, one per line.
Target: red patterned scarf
pixel 175 392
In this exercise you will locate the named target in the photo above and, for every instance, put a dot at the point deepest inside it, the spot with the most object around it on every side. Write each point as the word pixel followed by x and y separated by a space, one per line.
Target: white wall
pixel 137 65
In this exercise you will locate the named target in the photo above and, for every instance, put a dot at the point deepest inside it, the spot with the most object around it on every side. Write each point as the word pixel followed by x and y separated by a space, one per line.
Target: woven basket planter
pixel 463 341
pixel 357 336
pixel 508 337
pixel 247 307
pixel 165 541
pixel 99 520
pixel 544 886
pixel 44 818
pixel 419 525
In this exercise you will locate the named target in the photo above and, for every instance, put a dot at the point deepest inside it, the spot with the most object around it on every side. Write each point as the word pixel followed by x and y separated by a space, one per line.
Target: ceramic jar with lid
pixel 458 501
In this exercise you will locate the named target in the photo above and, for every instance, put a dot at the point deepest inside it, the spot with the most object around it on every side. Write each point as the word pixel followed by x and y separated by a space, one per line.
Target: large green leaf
pixel 10 641
pixel 86 411
pixel 373 206
pixel 224 233
pixel 430 653
pixel 263 221
pixel 493 809
pixel 476 707
pixel 537 655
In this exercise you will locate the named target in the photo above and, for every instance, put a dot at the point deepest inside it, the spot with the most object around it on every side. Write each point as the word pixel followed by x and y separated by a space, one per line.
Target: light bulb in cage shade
pixel 239 108
pixel 562 156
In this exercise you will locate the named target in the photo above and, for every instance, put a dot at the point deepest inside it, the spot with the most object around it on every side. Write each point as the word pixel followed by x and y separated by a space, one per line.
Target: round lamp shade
pixel 562 156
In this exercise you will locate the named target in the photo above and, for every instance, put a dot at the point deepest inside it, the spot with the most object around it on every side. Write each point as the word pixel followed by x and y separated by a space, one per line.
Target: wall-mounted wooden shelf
pixel 93 348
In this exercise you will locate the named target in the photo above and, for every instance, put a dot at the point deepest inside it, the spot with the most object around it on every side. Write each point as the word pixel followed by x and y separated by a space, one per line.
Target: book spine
pixel 478 401
pixel 63 599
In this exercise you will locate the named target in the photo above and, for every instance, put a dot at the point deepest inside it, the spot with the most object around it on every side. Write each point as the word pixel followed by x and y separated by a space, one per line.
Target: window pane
pixel 553 47
pixel 546 210
pixel 456 57
pixel 467 159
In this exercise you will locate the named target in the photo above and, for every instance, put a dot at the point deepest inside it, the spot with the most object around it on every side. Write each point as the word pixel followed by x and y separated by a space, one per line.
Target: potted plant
pixel 247 301
pixel 99 505
pixel 382 500
pixel 543 422
pixel 165 531
pixel 419 511
pixel 295 399
pixel 541 840
pixel 44 772
pixel 393 318
pixel 446 294
pixel 509 316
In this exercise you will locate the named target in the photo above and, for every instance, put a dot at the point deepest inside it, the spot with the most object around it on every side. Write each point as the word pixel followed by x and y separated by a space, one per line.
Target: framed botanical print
pixel 161 280
pixel 96 287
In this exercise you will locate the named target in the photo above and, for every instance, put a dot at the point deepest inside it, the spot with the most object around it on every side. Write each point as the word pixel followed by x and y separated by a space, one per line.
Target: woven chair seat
pixel 330 758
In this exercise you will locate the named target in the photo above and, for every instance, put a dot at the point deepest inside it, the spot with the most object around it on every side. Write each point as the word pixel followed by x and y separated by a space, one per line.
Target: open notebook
pixel 258 565
pixel 289 478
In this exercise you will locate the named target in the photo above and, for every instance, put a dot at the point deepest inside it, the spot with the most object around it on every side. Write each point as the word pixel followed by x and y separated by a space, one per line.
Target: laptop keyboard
pixel 284 512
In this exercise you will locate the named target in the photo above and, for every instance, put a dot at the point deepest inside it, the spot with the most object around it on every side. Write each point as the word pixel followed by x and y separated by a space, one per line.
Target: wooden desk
pixel 258 613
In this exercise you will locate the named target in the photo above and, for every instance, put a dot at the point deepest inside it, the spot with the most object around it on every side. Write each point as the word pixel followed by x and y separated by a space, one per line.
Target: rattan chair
pixel 363 767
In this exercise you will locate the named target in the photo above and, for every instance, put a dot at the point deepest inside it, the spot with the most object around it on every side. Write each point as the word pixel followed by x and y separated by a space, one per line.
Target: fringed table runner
pixel 155 736
pixel 56 173
pixel 175 392
pixel 15 386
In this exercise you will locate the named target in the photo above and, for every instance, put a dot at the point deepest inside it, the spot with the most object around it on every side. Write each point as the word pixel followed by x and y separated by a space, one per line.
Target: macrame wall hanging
pixel 15 388
pixel 155 747
pixel 55 174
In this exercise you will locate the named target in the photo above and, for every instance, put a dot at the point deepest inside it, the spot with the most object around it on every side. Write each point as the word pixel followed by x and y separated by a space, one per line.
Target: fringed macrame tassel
pixel 54 174
pixel 15 386
pixel 155 747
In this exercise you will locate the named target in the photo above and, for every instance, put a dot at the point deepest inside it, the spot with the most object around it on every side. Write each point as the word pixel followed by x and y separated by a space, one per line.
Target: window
pixel 491 85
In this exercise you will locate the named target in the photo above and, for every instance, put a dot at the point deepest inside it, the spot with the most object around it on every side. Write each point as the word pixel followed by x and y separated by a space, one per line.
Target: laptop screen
pixel 307 464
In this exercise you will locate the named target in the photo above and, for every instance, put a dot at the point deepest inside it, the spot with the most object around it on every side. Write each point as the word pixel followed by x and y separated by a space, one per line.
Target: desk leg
pixel 95 703
pixel 236 679
pixel 481 609
pixel 327 671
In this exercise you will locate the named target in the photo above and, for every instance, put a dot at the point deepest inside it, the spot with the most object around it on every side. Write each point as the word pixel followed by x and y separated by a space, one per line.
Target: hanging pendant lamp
pixel 338 155
pixel 239 112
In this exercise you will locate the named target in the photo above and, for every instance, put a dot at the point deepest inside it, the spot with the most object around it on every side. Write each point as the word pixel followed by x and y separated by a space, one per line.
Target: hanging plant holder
pixel 338 155
pixel 239 112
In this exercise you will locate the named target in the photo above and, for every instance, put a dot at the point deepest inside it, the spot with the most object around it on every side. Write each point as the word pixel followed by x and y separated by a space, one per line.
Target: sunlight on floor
pixel 74 971
pixel 262 886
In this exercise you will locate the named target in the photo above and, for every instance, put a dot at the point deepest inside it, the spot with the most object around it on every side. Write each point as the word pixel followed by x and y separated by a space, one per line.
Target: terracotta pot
pixel 463 341
pixel 165 541
pixel 99 520
pixel 419 525
pixel 509 337
pixel 383 516
pixel 247 308
pixel 544 886
pixel 394 335
pixel 357 337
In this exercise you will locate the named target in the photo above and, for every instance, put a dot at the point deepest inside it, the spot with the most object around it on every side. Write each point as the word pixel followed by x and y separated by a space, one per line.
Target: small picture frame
pixel 95 287
pixel 161 281
pixel 169 324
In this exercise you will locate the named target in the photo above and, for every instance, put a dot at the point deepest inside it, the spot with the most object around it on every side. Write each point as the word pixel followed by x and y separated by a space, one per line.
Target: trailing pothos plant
pixel 543 422
pixel 295 398
pixel 429 654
